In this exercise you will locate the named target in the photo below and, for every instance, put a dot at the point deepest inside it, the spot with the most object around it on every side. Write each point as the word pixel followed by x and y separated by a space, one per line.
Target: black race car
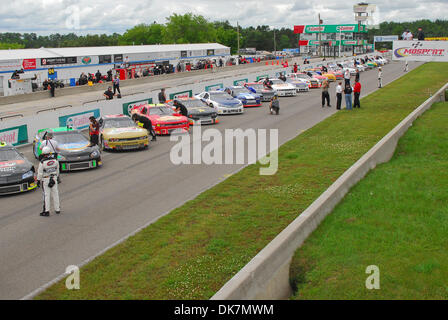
pixel 198 111
pixel 17 174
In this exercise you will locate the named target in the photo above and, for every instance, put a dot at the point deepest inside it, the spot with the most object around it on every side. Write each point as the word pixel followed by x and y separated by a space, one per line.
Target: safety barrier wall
pixel 266 276
pixel 80 113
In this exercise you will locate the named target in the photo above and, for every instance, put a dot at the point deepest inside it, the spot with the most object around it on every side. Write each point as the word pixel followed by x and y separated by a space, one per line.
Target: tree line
pixel 191 28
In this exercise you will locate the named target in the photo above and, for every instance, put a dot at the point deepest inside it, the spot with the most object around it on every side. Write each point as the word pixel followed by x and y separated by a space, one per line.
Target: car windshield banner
pixel 78 120
pixel 127 107
pixel 14 135
pixel 420 50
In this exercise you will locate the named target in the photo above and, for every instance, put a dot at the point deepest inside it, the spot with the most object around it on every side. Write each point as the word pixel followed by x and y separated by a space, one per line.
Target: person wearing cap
pixel 48 179
pixel 94 131
pixel 180 108
pixel 49 142
pixel 108 93
pixel 380 77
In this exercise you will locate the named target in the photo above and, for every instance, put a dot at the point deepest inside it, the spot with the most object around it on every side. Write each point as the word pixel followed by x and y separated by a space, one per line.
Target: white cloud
pixel 108 16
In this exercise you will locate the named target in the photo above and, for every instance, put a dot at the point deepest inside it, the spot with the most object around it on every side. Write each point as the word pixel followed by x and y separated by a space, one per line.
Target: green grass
pixel 193 251
pixel 395 218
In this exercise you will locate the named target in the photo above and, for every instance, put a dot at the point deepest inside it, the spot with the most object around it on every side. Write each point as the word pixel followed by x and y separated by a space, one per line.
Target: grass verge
pixel 396 218
pixel 191 252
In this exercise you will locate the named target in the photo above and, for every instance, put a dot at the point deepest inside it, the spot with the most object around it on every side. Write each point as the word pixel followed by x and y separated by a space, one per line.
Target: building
pixel 67 64
pixel 332 39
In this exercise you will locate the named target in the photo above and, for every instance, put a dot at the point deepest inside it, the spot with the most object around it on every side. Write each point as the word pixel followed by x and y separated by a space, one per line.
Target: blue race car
pixel 246 96
pixel 222 102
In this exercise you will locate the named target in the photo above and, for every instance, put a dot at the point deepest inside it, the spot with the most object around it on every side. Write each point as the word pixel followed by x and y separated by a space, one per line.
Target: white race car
pixel 283 89
pixel 223 102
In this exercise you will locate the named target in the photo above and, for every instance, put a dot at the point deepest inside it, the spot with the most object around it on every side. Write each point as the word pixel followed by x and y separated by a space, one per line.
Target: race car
pixel 283 89
pixel 198 111
pixel 75 152
pixel 119 132
pixel 247 98
pixel 330 76
pixel 223 102
pixel 312 82
pixel 302 85
pixel 163 118
pixel 266 93
pixel 17 174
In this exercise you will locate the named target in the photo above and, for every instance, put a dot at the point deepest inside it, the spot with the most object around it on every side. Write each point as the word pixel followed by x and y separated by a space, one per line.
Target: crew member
pixel 52 86
pixel 145 123
pixel 162 96
pixel 282 77
pixel 116 84
pixel 50 142
pixel 94 131
pixel 48 177
pixel 180 108
pixel 274 106
pixel 108 94
pixel 267 83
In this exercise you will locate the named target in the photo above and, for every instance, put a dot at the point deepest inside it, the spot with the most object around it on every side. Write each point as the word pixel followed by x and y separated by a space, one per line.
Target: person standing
pixel 52 87
pixel 357 74
pixel 98 76
pixel 116 84
pixel 49 142
pixel 162 96
pixel 420 34
pixel 339 95
pixel 94 131
pixel 295 67
pixel 347 77
pixel 380 77
pixel 325 94
pixel 348 97
pixel 356 93
pixel 48 178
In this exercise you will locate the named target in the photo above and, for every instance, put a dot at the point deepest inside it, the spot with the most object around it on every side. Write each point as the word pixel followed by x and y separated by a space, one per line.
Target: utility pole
pixel 275 45
pixel 320 37
pixel 238 37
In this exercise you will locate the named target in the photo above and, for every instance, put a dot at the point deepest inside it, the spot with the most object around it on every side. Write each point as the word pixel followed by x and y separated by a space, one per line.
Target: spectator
pixel 356 93
pixel 162 96
pixel 347 77
pixel 52 87
pixel 339 95
pixel 98 76
pixel 420 34
pixel 116 84
pixel 407 35
pixel 295 67
pixel 348 97
pixel 357 74
pixel 108 94
pixel 325 94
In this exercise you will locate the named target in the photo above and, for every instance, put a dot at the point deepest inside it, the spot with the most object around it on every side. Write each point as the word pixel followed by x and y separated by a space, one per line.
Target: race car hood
pixel 246 96
pixel 283 86
pixel 124 133
pixel 202 111
pixel 167 118
pixel 11 167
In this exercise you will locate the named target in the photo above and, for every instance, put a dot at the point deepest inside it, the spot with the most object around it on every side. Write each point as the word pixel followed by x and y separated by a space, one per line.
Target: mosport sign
pixel 329 28
pixel 420 50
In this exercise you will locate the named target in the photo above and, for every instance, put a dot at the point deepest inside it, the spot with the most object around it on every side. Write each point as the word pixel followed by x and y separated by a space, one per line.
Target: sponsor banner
pixel 385 38
pixel 14 135
pixel 58 61
pixel 329 28
pixel 262 76
pixel 29 64
pixel 78 120
pixel 214 87
pixel 10 65
pixel 86 60
pixel 420 50
pixel 129 105
pixel 240 82
pixel 332 43
pixel 437 39
pixel 182 94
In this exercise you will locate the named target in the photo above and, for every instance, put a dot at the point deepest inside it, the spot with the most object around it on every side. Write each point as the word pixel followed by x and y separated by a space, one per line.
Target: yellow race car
pixel 331 77
pixel 119 132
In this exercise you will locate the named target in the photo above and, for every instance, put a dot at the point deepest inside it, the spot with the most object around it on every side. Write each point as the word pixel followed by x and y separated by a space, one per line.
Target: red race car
pixel 163 118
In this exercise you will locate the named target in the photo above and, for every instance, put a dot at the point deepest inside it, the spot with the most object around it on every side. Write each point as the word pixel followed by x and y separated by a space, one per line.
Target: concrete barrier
pixel 266 276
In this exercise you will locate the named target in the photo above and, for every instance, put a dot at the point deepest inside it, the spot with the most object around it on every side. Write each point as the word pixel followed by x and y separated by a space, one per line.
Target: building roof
pixel 14 54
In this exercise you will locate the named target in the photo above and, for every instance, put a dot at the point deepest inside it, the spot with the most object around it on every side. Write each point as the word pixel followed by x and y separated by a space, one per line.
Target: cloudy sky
pixel 108 16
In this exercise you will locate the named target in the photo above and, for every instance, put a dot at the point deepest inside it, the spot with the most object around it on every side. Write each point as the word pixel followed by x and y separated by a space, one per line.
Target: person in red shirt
pixel 295 68
pixel 357 93
pixel 94 131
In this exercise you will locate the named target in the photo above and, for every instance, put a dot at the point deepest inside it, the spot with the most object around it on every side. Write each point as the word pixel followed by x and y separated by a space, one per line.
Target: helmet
pixel 46 150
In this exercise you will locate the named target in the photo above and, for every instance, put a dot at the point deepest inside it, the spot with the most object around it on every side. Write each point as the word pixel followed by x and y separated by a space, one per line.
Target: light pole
pixel 238 38
pixel 275 45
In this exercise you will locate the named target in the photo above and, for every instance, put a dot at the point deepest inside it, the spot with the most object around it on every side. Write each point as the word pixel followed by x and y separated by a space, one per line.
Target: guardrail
pixel 266 276
pixel 11 116
pixel 54 108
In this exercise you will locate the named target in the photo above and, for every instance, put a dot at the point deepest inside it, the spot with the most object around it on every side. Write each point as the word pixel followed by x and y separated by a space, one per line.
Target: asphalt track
pixel 132 189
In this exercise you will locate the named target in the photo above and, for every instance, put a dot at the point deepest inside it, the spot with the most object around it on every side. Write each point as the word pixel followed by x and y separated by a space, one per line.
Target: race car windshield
pixel 237 91
pixel 256 86
pixel 118 123
pixel 69 137
pixel 193 103
pixel 161 111
pixel 221 95
pixel 277 81
pixel 9 154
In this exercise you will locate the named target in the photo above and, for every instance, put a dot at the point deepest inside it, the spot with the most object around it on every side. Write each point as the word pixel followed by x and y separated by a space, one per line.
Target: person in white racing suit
pixel 48 178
